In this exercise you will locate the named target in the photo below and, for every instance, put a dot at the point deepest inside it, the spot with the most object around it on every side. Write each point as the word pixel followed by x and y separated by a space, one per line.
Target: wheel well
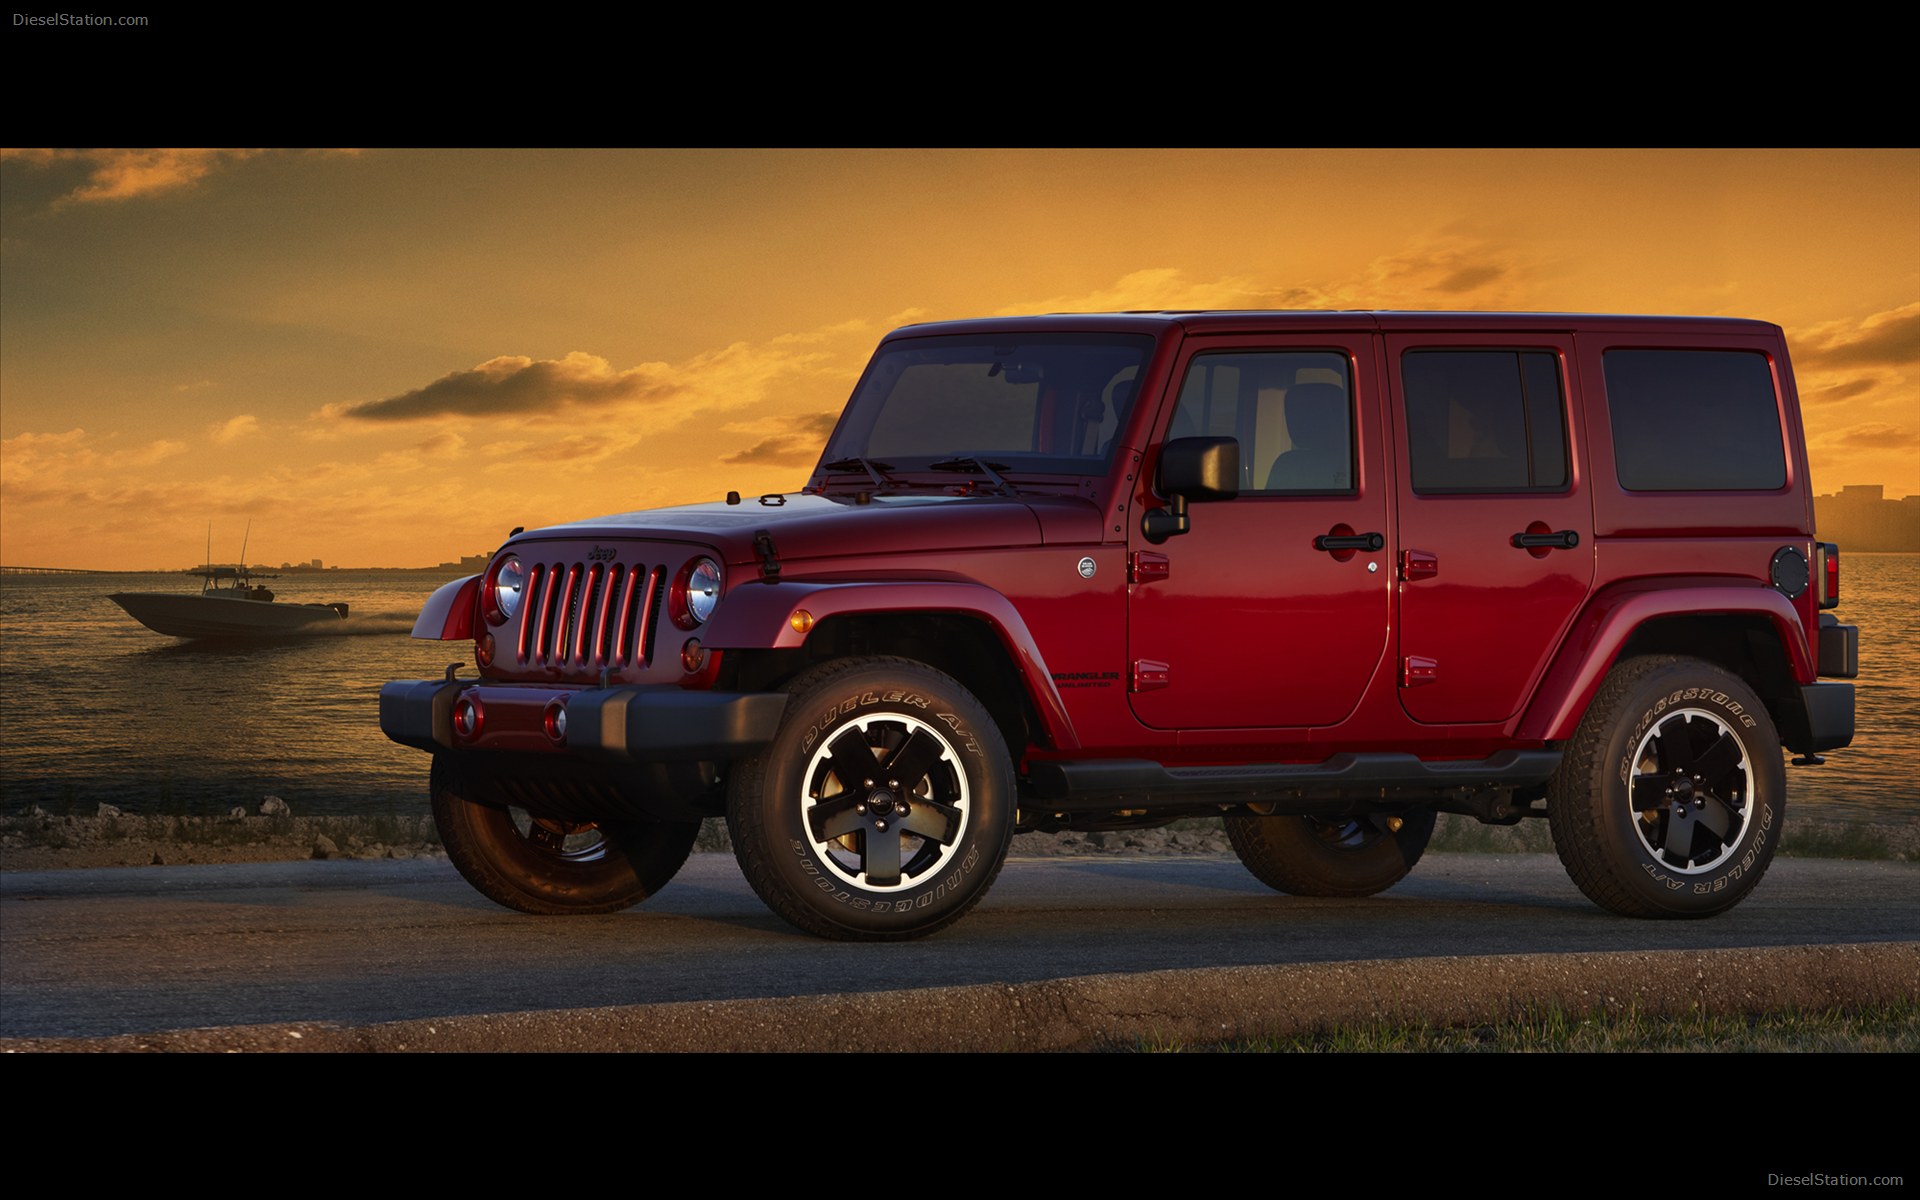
pixel 961 646
pixel 1744 643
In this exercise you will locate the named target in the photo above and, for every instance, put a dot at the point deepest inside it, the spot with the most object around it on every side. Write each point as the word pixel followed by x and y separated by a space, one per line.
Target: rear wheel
pixel 884 807
pixel 1672 795
pixel 551 867
pixel 1330 856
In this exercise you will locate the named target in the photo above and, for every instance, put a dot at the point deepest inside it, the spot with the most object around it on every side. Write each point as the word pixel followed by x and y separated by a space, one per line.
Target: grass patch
pixel 1875 1029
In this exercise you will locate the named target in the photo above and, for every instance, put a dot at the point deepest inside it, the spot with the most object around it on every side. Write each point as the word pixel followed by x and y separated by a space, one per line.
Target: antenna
pixel 208 560
pixel 243 546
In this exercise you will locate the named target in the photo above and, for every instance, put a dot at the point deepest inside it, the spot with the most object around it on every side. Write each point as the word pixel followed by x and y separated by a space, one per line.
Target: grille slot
pixel 580 616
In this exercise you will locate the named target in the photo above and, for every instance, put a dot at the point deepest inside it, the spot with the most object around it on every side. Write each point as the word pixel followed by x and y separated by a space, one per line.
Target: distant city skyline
pixel 373 354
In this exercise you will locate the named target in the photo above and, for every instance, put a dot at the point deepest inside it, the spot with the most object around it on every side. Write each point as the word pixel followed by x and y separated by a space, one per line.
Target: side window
pixel 1485 420
pixel 1291 410
pixel 1694 421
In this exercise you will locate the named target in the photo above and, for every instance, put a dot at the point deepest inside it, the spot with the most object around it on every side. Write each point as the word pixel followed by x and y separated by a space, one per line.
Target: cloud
pixel 1840 391
pixel 1151 289
pixel 1873 435
pixel 514 383
pixel 126 174
pixel 231 431
pixel 733 377
pixel 1884 339
pixel 797 447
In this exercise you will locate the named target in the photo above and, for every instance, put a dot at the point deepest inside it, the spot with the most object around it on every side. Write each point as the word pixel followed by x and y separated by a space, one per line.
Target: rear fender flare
pixel 1593 645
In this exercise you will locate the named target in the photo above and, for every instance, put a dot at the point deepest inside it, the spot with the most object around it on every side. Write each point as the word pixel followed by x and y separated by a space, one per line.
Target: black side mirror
pixel 1196 469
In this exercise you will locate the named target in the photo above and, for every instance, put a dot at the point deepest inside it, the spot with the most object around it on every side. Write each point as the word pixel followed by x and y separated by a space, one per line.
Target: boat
pixel 229 605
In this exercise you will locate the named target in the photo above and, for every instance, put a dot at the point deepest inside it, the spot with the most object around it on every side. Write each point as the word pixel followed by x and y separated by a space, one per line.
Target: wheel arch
pixel 964 630
pixel 1751 632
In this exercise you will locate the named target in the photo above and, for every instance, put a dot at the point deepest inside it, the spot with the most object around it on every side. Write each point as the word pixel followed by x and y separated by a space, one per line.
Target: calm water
pixel 96 708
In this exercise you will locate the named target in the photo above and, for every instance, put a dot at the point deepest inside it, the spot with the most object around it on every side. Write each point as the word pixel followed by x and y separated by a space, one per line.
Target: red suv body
pixel 1322 574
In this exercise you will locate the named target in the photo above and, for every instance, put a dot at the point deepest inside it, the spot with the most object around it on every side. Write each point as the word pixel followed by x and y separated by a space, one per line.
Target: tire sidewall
pixel 487 848
pixel 820 714
pixel 1659 698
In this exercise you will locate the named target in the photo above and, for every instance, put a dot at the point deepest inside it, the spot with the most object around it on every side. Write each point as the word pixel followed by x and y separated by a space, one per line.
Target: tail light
pixel 1826 573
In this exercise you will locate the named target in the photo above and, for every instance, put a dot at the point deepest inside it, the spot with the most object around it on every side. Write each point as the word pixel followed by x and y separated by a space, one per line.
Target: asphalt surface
pixel 1065 953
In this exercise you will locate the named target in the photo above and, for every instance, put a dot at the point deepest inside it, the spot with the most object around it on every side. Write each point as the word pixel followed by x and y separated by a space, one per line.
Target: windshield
pixel 1042 404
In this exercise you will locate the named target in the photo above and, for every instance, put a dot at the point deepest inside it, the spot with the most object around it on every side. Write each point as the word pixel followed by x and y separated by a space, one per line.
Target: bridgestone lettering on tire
pixel 1330 856
pixel 884 807
pixel 547 867
pixel 1672 796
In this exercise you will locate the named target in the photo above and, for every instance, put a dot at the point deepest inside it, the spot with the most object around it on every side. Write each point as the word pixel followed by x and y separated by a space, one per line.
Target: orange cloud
pixel 230 431
pixel 124 174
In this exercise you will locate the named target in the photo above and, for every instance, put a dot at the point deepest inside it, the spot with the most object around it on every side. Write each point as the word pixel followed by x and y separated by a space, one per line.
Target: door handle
pixel 1351 541
pixel 1565 539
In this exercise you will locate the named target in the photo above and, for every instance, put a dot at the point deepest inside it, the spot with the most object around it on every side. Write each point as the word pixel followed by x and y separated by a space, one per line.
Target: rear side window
pixel 1485 420
pixel 1694 421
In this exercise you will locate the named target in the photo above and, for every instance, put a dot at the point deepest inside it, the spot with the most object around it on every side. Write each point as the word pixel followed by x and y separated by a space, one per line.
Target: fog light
pixel 693 656
pixel 801 620
pixel 468 717
pixel 555 719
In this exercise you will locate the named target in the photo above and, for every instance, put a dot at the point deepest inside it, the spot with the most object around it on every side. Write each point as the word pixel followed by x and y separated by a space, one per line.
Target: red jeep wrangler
pixel 1324 575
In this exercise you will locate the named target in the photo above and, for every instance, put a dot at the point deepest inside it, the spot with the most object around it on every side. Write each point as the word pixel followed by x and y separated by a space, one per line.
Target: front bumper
pixel 640 723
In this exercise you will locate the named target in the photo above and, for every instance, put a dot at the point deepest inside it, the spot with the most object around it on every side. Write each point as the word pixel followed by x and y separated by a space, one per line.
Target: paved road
pixel 141 950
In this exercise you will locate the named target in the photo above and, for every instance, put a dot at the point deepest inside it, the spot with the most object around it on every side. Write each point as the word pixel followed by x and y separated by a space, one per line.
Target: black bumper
pixel 1822 719
pixel 647 723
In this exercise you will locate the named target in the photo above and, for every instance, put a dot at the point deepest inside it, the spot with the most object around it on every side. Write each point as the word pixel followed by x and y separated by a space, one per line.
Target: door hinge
pixel 1148 676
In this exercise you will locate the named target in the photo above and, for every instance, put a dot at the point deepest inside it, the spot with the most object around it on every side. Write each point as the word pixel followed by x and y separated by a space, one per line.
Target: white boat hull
pixel 213 616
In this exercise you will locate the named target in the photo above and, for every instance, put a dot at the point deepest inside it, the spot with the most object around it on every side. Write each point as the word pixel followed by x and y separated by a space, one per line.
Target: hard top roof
pixel 1255 321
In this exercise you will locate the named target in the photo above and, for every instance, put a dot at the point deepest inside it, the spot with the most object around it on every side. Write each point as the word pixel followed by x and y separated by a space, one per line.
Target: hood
pixel 807 526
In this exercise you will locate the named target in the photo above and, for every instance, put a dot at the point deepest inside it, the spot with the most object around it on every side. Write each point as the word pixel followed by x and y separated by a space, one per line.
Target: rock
pixel 274 806
pixel 236 814
pixel 323 847
pixel 106 810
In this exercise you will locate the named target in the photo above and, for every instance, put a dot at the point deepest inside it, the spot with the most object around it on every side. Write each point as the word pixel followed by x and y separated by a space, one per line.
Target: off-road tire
pixel 815 820
pixel 1652 717
pixel 551 868
pixel 1329 856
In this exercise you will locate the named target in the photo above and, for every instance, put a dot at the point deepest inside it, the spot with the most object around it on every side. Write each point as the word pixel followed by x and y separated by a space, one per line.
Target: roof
pixel 1198 322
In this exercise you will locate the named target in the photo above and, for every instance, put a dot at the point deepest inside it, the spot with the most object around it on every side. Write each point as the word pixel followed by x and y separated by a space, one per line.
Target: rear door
pixel 1496 520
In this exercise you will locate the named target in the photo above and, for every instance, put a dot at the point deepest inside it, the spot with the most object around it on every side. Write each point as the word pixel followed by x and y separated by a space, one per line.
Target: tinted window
pixel 1485 420
pixel 1037 403
pixel 1292 411
pixel 1694 421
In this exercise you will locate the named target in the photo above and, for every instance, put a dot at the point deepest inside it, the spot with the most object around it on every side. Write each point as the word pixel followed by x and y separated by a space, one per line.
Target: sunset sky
pixel 392 357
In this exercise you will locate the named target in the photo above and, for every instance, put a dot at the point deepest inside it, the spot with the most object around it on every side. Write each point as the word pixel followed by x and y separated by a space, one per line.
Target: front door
pixel 1251 619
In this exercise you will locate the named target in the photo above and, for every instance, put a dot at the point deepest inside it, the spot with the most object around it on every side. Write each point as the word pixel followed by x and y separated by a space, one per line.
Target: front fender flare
pixel 760 616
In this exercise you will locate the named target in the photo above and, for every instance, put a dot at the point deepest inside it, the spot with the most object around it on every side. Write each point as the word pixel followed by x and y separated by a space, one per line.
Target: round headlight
pixel 695 593
pixel 504 590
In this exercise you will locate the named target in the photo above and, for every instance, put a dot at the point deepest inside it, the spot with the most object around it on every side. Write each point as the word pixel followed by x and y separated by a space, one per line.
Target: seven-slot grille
pixel 589 615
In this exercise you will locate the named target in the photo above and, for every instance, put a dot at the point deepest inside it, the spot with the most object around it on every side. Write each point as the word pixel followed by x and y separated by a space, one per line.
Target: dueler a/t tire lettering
pixel 884 807
pixel 1672 796
pixel 548 867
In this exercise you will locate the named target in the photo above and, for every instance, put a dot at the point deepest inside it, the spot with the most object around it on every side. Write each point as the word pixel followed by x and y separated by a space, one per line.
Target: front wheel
pixel 550 867
pixel 1330 856
pixel 884 807
pixel 1671 797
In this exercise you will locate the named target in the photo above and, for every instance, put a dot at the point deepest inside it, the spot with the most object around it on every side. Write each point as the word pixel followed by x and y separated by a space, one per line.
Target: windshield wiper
pixel 875 470
pixel 967 462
